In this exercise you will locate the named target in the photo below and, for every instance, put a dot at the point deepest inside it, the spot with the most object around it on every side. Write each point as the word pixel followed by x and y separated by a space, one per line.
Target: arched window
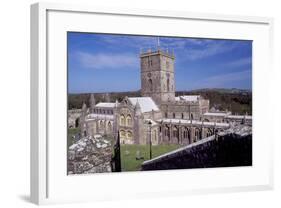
pixel 166 115
pixel 167 131
pixel 191 116
pixel 76 122
pixel 129 135
pixel 150 85
pixel 109 125
pixel 122 134
pixel 197 134
pixel 122 120
pixel 129 120
pixel 167 64
pixel 101 125
pixel 209 133
pixel 175 132
pixel 185 133
pixel 168 84
pixel 182 116
pixel 174 115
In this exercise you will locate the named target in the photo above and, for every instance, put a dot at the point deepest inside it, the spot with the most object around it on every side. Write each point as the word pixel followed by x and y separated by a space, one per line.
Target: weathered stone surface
pixel 90 155
pixel 227 149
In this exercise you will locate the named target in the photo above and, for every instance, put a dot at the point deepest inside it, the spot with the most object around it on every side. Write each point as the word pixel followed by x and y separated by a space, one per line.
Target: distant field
pixel 235 100
pixel 129 153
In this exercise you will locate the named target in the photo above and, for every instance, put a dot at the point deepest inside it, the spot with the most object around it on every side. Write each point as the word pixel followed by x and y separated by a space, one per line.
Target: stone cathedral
pixel 158 116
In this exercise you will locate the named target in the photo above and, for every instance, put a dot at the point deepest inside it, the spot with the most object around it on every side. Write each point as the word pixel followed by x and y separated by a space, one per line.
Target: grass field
pixel 129 153
pixel 71 132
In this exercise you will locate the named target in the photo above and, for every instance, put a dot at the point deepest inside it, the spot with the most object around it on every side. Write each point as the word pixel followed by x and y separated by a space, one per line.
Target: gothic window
pixel 101 124
pixel 122 134
pixel 109 126
pixel 150 84
pixel 197 134
pixel 209 133
pixel 122 120
pixel 185 133
pixel 149 61
pixel 167 64
pixel 168 84
pixel 129 135
pixel 129 120
pixel 76 122
pixel 175 132
pixel 167 131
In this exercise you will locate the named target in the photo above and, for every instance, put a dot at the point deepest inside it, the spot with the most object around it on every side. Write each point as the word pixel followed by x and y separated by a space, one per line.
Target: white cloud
pixel 210 48
pixel 131 41
pixel 225 79
pixel 193 48
pixel 238 62
pixel 108 61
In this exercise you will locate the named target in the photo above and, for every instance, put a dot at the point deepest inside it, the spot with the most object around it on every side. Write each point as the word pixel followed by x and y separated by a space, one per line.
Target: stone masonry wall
pixel 215 151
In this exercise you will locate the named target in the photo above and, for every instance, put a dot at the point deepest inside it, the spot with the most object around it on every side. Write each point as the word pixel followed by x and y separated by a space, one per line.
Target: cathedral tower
pixel 157 75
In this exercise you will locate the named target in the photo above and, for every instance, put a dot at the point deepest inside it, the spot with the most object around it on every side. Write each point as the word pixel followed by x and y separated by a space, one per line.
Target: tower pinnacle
pixel 158 43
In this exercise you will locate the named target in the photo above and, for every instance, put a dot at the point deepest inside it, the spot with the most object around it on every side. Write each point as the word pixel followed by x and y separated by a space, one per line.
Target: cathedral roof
pixel 105 105
pixel 146 103
pixel 190 98
pixel 216 114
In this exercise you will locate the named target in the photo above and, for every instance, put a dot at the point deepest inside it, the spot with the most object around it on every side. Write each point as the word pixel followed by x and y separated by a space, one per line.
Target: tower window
pixel 149 61
pixel 167 64
pixel 150 84
pixel 168 84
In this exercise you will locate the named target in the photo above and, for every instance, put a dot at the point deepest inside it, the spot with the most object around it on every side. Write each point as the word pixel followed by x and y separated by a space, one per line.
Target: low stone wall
pixel 226 150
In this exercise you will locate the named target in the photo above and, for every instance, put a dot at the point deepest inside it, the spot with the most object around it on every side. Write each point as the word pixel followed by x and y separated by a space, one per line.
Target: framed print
pixel 133 103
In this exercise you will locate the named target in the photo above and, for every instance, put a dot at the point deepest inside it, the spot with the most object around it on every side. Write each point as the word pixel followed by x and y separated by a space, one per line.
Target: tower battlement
pixel 157 51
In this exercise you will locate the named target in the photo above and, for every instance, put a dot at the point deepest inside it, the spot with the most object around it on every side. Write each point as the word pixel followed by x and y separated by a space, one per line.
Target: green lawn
pixel 70 133
pixel 129 152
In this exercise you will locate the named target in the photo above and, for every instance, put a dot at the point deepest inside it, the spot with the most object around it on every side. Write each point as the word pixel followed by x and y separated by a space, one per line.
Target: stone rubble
pixel 241 130
pixel 90 155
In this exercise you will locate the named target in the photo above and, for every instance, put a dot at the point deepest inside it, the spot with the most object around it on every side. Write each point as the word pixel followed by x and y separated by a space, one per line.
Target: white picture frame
pixel 49 182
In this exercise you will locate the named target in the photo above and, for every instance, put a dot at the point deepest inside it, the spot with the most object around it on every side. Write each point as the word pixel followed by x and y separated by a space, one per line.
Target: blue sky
pixel 110 63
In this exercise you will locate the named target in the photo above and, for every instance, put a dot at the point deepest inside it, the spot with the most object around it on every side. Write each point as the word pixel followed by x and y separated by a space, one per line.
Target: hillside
pixel 236 100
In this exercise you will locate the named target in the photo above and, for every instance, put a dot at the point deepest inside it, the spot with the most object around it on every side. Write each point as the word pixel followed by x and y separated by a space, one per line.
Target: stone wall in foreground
pixel 216 151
